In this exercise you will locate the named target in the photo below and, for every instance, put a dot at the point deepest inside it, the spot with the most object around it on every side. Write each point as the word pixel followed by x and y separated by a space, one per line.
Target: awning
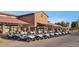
pixel 65 27
pixel 10 20
pixel 45 24
pixel 56 26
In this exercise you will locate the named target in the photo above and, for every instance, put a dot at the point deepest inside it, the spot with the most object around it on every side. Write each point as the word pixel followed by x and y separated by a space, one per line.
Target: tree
pixel 67 23
pixel 63 24
pixel 74 25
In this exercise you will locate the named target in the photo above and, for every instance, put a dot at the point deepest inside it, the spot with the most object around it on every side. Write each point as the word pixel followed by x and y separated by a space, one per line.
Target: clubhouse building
pixel 28 22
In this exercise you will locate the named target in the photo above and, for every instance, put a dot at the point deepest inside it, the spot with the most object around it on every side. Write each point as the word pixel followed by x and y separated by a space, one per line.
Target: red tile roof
pixel 11 20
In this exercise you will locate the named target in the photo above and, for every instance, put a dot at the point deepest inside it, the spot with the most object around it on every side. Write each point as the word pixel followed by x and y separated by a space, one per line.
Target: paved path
pixel 71 40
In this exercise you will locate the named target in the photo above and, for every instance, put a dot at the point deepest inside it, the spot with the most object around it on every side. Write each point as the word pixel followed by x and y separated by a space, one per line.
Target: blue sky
pixel 54 16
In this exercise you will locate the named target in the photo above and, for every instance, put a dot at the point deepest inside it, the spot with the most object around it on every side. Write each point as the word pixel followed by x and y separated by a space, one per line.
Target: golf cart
pixel 51 33
pixel 46 35
pixel 30 37
pixel 10 35
pixel 39 35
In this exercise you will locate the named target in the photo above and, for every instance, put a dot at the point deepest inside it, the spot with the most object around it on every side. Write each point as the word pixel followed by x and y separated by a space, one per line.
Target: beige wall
pixel 40 17
pixel 33 19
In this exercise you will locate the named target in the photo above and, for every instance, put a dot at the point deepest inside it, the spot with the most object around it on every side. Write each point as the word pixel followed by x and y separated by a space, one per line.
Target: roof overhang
pixel 12 21
pixel 45 24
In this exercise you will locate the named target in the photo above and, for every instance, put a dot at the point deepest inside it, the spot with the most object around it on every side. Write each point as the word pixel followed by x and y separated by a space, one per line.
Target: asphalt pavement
pixel 70 40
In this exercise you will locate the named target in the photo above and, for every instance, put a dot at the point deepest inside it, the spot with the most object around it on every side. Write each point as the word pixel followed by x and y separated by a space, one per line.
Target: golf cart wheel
pixel 19 39
pixel 38 38
pixel 45 37
pixel 8 37
pixel 28 39
pixel 41 38
pixel 52 36
pixel 33 39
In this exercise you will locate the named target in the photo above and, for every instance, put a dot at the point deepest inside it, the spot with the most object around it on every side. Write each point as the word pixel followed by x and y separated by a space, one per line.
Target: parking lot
pixel 70 40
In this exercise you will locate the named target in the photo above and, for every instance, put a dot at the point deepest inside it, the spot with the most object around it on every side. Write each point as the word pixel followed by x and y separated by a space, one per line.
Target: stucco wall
pixel 33 19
